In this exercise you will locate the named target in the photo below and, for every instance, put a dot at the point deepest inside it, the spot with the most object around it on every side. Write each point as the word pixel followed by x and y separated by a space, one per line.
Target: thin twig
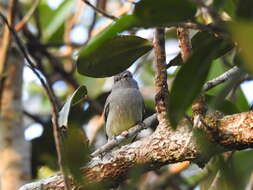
pixel 91 27
pixel 35 118
pixel 72 21
pixel 124 9
pixel 100 11
pixel 52 98
pixel 125 135
pixel 27 17
pixel 220 79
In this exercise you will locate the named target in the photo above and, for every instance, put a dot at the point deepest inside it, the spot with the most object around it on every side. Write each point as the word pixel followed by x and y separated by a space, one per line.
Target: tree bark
pixel 14 150
pixel 165 146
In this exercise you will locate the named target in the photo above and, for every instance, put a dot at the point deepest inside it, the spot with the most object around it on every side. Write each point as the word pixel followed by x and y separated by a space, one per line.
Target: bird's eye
pixel 116 79
pixel 126 75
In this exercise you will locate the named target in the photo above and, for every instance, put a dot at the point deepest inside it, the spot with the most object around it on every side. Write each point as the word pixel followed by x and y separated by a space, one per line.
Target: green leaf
pixel 227 5
pixel 225 106
pixel 75 143
pixel 199 38
pixel 76 152
pixel 242 167
pixel 241 101
pixel 121 24
pixel 191 77
pixel 216 70
pixel 54 19
pixel 98 50
pixel 225 45
pixel 242 34
pixel 76 97
pixel 212 179
pixel 152 13
pixel 230 173
pixel 113 56
pixel 223 93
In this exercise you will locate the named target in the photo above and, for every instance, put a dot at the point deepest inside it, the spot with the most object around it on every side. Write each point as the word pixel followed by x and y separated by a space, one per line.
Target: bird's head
pixel 125 75
pixel 125 80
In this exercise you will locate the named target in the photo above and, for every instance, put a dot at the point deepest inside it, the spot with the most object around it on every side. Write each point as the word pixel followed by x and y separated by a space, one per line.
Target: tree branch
pixel 202 27
pixel 222 78
pixel 184 42
pixel 27 17
pixel 161 85
pixel 164 146
pixel 35 118
pixel 100 11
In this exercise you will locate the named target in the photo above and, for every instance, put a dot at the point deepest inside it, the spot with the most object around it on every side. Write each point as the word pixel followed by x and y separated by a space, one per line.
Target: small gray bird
pixel 124 107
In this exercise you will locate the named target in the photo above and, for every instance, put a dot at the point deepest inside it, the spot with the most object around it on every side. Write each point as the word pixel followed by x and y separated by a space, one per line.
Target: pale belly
pixel 124 115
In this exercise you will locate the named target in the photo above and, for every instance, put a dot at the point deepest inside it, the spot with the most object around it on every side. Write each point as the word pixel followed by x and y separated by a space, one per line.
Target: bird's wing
pixel 143 109
pixel 106 112
pixel 106 109
pixel 142 105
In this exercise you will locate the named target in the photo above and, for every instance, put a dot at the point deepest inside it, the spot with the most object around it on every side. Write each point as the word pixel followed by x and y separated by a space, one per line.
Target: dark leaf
pixel 191 77
pixel 199 38
pixel 152 13
pixel 112 57
pixel 226 5
pixel 245 9
pixel 224 44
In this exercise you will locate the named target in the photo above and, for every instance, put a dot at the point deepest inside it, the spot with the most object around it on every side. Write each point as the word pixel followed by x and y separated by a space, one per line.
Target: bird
pixel 124 107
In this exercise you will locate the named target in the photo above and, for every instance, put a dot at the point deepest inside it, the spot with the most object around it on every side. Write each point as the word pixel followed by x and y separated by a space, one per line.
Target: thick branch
pixel 163 147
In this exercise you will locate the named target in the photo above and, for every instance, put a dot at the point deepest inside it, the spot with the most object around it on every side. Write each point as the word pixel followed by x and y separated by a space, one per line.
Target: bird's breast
pixel 125 111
